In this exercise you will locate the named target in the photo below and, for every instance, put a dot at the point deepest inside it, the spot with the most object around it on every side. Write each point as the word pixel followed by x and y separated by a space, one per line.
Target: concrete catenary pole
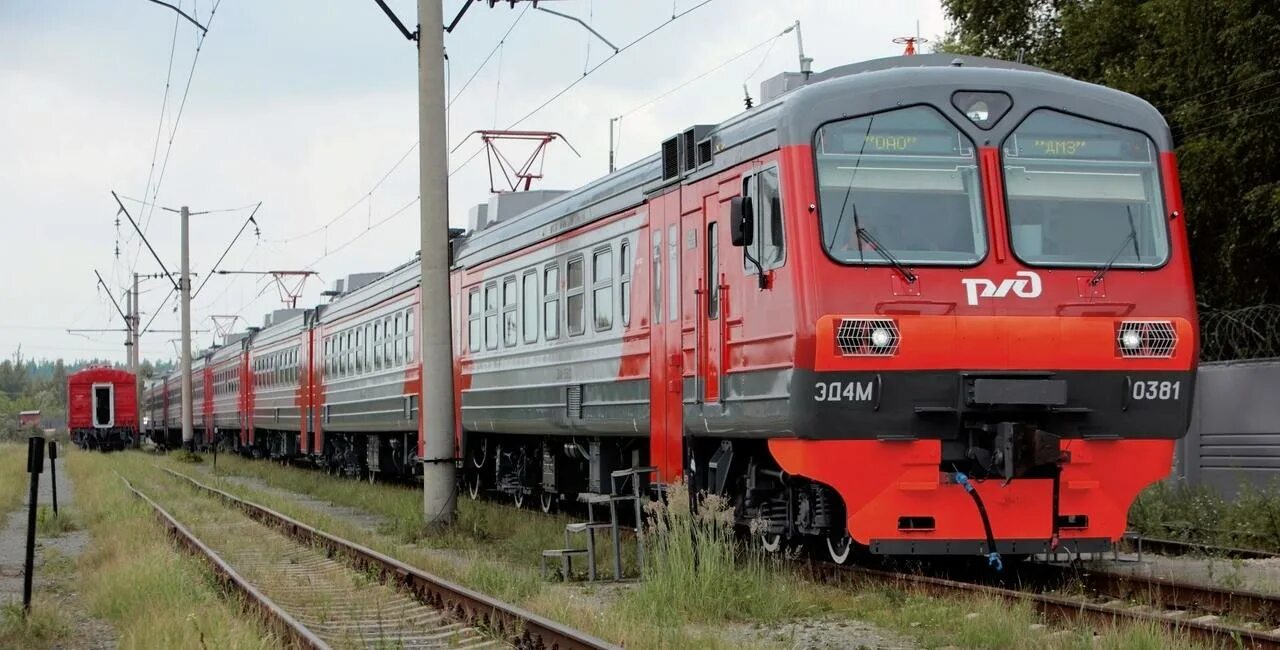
pixel 184 288
pixel 135 363
pixel 439 496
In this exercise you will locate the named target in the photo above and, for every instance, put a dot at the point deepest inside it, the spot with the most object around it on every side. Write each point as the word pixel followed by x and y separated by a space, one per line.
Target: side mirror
pixel 741 221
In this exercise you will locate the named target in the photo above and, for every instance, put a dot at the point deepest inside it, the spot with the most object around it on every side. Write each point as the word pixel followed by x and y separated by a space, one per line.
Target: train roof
pixel 793 117
pixel 99 374
pixel 396 281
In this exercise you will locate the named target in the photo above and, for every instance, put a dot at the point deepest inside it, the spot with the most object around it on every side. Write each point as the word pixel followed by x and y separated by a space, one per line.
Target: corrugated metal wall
pixel 1235 427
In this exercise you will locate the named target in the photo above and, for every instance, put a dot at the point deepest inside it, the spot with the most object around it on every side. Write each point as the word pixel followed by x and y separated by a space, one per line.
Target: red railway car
pixel 102 408
pixel 930 305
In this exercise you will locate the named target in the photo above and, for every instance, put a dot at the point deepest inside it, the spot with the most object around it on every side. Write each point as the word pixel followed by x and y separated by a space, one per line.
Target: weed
pixel 50 525
pixel 1198 514
pixel 44 625
pixel 185 456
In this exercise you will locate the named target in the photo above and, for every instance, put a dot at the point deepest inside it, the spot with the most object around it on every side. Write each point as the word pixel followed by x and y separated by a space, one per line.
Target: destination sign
pixel 1075 147
pixel 846 142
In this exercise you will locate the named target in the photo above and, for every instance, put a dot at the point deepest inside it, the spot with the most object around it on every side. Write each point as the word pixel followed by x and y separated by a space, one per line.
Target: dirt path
pixel 55 571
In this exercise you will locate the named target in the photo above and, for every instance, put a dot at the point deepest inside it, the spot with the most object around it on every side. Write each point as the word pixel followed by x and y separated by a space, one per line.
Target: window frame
pixel 570 293
pixel 1159 196
pixel 983 207
pixel 551 299
pixel 530 306
pixel 510 333
pixel 491 315
pixel 626 262
pixel 475 310
pixel 751 187
pixel 599 286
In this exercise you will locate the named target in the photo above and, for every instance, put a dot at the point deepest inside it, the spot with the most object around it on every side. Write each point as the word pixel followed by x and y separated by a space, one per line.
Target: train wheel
pixel 473 486
pixel 772 543
pixel 548 501
pixel 840 548
pixel 479 455
pixel 519 498
pixel 372 476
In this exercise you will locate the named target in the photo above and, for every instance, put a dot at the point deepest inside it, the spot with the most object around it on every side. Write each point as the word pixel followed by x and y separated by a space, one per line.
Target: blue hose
pixel 993 556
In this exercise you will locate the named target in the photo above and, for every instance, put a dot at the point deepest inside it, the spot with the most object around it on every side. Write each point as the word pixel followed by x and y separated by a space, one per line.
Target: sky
pixel 307 106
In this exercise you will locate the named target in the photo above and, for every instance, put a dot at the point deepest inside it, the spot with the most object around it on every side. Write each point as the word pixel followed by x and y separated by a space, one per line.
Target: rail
pixel 520 627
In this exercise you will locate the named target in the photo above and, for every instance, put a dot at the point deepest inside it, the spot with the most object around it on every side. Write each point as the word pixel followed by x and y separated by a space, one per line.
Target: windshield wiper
pixel 865 235
pixel 1131 237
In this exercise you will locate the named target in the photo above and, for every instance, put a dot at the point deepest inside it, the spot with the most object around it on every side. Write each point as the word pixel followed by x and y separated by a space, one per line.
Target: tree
pixel 1209 67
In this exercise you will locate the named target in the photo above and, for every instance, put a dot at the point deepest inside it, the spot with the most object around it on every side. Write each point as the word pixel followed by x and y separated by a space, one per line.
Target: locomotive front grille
pixel 1150 339
pixel 867 337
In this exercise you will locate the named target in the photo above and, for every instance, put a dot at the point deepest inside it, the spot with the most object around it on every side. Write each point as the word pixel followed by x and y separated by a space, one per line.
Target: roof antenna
pixel 910 43
pixel 806 62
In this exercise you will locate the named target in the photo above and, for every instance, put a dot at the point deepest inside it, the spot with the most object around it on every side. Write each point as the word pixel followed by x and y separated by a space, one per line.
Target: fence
pixel 1236 334
pixel 1234 439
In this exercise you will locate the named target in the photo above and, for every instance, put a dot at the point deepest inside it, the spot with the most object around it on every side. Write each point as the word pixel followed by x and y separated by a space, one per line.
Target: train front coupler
pixel 1009 450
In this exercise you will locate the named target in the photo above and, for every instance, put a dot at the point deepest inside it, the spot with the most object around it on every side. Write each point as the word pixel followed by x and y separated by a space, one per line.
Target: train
pixel 923 305
pixel 102 408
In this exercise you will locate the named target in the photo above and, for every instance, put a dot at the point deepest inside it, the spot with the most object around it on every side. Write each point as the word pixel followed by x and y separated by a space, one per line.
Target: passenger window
pixel 624 280
pixel 491 316
pixel 551 302
pixel 509 311
pixel 602 289
pixel 473 314
pixel 399 319
pixel 388 346
pixel 529 306
pixel 408 336
pixel 575 297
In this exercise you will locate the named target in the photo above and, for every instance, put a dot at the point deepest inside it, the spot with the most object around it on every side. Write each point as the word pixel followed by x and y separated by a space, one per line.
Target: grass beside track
pixel 495 549
pixel 1198 514
pixel 131 575
pixel 14 479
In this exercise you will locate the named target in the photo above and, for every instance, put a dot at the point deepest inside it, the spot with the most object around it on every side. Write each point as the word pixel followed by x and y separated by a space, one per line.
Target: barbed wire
pixel 1244 333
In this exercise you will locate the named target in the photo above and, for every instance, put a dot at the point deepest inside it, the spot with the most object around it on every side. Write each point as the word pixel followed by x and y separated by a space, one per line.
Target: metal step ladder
pixel 636 496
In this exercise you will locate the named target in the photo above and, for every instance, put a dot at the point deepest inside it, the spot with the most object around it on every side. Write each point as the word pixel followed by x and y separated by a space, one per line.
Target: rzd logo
pixel 1026 285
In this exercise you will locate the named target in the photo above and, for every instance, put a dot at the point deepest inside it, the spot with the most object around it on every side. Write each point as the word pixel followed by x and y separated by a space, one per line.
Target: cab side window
pixel 768 246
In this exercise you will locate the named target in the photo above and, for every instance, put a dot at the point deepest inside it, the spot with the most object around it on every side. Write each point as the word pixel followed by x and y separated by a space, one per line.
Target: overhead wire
pixel 177 120
pixel 674 17
pixel 363 197
pixel 164 109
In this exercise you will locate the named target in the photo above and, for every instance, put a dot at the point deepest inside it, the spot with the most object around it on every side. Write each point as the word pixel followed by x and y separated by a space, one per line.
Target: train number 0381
pixel 1156 390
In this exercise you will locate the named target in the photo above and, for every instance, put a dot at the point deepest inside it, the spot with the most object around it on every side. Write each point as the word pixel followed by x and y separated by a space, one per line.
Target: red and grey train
pixel 922 305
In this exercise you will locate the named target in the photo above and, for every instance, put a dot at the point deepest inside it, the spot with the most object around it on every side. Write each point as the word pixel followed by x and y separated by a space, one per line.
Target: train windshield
pixel 1083 193
pixel 904 182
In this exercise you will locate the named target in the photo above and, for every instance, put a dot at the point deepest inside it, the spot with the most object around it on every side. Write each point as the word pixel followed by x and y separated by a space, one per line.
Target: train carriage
pixel 102 408
pixel 367 379
pixel 278 398
pixel 229 397
pixel 898 289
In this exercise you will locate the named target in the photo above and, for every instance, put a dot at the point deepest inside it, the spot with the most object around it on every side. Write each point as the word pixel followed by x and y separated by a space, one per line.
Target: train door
pixel 708 295
pixel 666 387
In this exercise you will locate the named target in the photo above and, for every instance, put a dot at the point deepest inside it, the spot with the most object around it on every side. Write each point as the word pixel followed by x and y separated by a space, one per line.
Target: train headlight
pixel 1130 340
pixel 867 337
pixel 1146 339
pixel 880 337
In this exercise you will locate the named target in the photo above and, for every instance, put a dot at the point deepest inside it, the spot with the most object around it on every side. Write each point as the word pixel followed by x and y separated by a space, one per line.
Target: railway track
pixel 316 590
pixel 1216 617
